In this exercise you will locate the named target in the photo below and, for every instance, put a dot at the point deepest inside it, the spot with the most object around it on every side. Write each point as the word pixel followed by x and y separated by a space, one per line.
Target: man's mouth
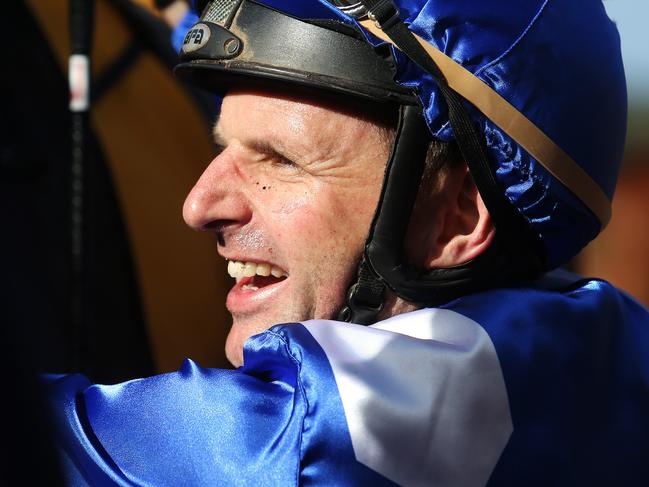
pixel 252 275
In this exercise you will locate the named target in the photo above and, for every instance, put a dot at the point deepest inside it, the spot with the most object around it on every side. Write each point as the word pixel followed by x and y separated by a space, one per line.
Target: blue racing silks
pixel 543 385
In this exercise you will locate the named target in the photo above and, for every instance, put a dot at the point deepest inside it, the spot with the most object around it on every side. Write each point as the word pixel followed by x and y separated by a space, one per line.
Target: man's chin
pixel 237 337
pixel 243 327
pixel 234 346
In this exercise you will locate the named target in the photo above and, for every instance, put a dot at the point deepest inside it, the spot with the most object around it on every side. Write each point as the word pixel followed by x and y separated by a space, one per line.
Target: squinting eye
pixel 283 161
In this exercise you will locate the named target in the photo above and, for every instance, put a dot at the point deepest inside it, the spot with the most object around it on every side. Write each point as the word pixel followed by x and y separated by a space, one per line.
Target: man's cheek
pixel 303 216
pixel 297 200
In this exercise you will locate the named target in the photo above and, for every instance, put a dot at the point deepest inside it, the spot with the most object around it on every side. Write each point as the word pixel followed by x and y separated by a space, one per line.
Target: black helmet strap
pixel 384 260
pixel 400 184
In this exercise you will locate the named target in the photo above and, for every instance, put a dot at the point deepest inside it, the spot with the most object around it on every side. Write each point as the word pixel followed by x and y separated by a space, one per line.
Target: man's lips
pixel 252 294
pixel 256 283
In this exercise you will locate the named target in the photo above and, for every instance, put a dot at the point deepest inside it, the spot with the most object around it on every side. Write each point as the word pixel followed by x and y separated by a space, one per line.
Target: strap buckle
pixel 383 12
pixel 364 298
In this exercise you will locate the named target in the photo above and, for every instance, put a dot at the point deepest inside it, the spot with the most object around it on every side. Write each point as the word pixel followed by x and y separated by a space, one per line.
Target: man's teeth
pixel 239 270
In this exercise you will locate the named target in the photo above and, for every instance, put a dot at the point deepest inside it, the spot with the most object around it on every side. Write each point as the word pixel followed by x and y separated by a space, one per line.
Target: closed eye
pixel 268 150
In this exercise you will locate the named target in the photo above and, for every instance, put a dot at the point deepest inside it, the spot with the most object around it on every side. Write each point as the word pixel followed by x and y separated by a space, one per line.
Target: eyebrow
pixel 269 149
pixel 260 146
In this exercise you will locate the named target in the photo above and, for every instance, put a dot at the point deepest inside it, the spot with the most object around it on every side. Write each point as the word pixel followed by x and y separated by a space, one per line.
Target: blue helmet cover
pixel 558 62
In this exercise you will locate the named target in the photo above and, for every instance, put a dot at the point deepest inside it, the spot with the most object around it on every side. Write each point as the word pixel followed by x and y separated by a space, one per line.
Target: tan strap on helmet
pixel 517 126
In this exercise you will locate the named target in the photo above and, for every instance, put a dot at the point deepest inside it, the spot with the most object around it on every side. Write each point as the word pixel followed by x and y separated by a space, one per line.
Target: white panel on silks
pixel 423 394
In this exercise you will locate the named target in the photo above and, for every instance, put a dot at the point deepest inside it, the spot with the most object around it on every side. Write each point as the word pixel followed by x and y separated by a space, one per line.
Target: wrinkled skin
pixel 295 186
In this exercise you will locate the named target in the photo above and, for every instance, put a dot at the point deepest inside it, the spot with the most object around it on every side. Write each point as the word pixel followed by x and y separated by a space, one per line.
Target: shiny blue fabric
pixel 556 61
pixel 193 427
pixel 576 367
pixel 573 358
pixel 276 421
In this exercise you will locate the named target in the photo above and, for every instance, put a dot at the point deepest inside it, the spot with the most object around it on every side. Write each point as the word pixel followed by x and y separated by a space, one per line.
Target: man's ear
pixel 450 224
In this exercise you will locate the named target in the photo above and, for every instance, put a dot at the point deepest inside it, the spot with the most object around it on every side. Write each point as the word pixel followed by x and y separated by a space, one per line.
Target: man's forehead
pixel 286 119
pixel 320 102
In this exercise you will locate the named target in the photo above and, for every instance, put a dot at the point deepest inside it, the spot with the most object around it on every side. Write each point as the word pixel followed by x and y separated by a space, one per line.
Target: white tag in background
pixel 79 81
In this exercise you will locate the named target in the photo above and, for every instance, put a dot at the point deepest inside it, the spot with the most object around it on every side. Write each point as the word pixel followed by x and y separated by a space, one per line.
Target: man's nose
pixel 218 198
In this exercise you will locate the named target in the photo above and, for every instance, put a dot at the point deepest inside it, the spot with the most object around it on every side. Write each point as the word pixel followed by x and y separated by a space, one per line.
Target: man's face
pixel 292 194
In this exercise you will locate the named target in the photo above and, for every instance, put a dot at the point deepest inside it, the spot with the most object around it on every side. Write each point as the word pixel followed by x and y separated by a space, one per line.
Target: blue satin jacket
pixel 528 386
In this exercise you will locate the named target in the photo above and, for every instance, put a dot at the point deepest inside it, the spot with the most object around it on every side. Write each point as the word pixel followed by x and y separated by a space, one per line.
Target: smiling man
pixel 393 190
pixel 276 196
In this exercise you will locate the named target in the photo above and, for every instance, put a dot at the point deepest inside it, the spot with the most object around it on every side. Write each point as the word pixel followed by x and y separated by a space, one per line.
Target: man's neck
pixel 394 305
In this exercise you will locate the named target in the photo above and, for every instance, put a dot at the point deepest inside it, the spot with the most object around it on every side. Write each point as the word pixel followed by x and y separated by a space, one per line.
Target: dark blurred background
pixel 153 290
pixel 621 253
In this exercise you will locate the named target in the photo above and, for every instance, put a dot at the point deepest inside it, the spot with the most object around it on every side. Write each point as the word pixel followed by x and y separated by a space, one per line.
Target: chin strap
pixel 366 296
